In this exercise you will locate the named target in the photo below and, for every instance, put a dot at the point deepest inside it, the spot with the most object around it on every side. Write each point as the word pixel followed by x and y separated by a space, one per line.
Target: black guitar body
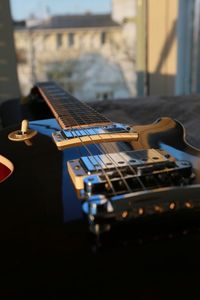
pixel 45 238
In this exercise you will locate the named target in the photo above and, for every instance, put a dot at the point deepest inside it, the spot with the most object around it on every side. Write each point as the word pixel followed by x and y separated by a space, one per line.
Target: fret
pixel 68 110
pixel 77 117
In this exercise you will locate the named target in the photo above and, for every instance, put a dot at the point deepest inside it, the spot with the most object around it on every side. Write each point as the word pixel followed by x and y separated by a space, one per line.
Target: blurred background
pixel 100 49
pixel 103 50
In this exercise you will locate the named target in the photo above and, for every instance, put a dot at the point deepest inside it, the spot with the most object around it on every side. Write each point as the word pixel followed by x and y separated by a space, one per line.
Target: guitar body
pixel 45 240
pixel 6 168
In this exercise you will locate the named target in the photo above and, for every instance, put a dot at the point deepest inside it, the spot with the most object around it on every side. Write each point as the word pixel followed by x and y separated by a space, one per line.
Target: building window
pixel 21 56
pixel 69 87
pixel 70 39
pixel 59 40
pixel 104 95
pixel 45 41
pixel 103 38
pixel 69 74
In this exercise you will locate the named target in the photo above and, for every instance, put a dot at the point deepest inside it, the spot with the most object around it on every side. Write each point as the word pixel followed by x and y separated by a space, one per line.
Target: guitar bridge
pixel 112 183
pixel 117 173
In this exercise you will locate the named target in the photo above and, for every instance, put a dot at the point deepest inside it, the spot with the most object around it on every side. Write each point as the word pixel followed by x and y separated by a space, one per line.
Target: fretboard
pixel 69 111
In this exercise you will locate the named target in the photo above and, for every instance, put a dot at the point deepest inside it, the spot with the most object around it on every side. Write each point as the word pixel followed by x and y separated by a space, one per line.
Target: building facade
pixel 92 56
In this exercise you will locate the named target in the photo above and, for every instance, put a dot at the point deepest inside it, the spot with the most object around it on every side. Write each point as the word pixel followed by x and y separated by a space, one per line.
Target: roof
pixel 76 21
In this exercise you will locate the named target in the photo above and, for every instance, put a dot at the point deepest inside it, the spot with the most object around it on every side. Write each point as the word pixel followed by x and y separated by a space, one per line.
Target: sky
pixel 22 9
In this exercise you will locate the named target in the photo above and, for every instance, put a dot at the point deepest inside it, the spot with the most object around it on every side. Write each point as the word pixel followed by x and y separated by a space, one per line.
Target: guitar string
pixel 50 95
pixel 110 158
pixel 90 153
pixel 100 150
pixel 110 184
pixel 141 183
pixel 154 177
pixel 127 161
pixel 119 154
pixel 108 155
pixel 130 166
pixel 64 93
pixel 170 176
pixel 106 176
pixel 134 171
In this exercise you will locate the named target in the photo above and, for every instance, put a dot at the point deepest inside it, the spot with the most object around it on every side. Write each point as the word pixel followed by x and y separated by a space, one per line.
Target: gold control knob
pixel 23 135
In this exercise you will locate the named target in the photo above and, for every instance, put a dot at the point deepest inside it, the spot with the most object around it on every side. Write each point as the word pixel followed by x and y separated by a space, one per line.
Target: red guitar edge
pixel 6 168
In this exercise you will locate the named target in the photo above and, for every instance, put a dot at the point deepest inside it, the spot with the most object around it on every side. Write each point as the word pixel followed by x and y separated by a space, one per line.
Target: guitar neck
pixel 69 111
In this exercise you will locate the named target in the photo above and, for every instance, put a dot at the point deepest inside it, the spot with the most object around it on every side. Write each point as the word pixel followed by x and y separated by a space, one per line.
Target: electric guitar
pixel 86 175
pixel 140 175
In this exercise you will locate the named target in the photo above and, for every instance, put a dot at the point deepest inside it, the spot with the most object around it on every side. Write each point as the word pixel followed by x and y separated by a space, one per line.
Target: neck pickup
pixel 93 134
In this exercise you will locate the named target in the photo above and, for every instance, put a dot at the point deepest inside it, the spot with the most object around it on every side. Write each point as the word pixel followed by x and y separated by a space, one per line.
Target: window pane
pixel 70 39
pixel 91 53
pixel 103 38
pixel 59 40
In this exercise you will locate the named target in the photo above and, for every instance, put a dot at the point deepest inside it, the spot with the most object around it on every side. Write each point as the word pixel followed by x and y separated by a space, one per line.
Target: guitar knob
pixel 25 134
pixel 24 126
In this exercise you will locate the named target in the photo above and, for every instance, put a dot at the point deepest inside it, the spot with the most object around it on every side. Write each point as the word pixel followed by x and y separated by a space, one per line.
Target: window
pixel 70 39
pixel 103 38
pixel 94 52
pixel 45 41
pixel 104 95
pixel 70 89
pixel 59 40
pixel 21 56
pixel 69 74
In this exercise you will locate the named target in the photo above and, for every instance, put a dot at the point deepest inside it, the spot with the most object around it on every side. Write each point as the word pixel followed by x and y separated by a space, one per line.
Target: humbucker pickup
pixel 141 168
pixel 93 134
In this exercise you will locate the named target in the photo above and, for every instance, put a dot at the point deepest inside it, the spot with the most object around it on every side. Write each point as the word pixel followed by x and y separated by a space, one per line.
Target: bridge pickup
pixel 135 181
pixel 96 134
pixel 117 173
